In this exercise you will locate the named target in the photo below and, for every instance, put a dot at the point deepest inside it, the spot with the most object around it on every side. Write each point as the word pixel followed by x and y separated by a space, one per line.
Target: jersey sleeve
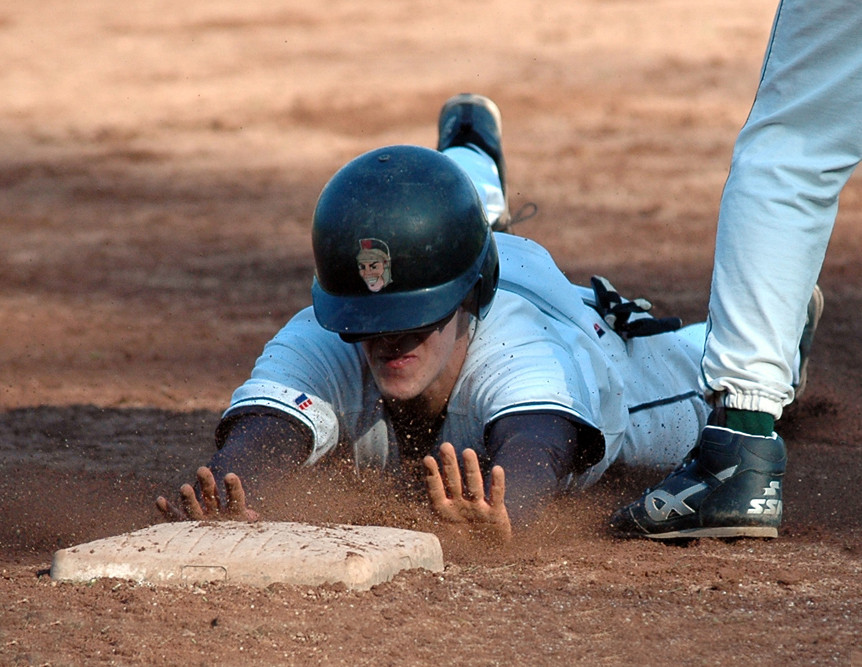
pixel 307 373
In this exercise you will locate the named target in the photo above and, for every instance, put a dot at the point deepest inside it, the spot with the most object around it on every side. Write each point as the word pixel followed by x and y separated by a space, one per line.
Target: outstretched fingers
pixel 433 481
pixel 208 505
pixel 209 491
pixel 475 485
pixel 236 507
pixel 497 493
pixel 451 471
pixel 437 494
pixel 189 501
pixel 169 511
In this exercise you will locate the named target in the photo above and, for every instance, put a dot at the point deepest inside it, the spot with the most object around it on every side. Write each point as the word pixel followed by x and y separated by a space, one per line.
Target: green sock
pixel 748 421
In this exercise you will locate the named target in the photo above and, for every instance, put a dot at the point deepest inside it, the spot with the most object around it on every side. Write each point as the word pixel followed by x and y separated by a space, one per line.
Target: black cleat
pixel 470 119
pixel 728 486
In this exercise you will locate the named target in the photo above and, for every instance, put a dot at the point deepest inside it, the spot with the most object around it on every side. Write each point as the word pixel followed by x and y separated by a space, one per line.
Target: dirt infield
pixel 159 167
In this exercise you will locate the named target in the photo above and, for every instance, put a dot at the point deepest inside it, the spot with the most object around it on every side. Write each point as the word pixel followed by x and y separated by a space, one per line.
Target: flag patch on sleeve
pixel 302 401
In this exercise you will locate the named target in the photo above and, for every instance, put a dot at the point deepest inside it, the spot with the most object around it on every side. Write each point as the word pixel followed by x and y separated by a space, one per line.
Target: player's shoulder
pixel 529 270
pixel 527 264
pixel 512 247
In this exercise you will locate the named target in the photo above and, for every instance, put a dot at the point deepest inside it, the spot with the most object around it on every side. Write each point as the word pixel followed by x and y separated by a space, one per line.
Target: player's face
pixel 423 363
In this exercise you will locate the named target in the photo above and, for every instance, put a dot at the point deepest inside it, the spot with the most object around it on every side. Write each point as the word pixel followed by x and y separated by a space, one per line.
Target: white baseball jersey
pixel 540 348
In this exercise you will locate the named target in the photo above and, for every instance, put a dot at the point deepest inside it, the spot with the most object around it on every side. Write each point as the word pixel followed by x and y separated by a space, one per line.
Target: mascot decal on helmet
pixel 375 263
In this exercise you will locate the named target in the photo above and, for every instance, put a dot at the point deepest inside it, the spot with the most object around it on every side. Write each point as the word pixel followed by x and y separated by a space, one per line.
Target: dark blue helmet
pixel 400 241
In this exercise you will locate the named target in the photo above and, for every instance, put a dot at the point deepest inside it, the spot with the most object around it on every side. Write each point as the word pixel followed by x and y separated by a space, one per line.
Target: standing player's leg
pixel 799 145
pixel 792 158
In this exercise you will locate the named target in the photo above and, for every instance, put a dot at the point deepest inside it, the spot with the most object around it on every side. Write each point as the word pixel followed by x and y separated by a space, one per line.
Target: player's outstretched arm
pixel 464 501
pixel 210 505
pixel 262 445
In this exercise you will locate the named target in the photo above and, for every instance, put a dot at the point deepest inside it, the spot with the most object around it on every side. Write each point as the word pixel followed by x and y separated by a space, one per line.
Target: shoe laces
pixel 505 223
pixel 691 456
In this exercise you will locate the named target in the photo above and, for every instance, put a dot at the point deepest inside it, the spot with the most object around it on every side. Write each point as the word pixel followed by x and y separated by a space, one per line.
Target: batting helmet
pixel 400 241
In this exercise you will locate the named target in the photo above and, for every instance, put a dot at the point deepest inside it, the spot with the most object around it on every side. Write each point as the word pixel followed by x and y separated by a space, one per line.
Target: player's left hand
pixel 464 501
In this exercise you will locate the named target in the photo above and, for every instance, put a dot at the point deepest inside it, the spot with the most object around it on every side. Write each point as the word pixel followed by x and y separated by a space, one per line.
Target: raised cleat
pixel 474 120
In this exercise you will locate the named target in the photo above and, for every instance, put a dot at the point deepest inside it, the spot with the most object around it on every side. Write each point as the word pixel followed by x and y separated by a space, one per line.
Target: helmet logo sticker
pixel 374 263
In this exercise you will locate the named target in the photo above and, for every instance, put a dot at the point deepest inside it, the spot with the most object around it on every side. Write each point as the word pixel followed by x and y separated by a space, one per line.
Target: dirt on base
pixel 160 164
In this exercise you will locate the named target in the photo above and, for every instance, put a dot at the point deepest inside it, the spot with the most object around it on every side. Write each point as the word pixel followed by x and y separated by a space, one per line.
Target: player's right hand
pixel 191 509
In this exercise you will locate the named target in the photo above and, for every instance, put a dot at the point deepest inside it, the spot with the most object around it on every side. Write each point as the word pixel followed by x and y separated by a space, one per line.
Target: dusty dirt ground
pixel 159 165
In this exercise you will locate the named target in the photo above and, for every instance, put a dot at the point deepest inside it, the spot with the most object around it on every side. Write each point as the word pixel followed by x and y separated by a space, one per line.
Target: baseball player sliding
pixel 436 338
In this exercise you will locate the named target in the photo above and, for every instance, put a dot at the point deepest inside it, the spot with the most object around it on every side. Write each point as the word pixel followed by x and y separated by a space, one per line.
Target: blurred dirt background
pixel 159 163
